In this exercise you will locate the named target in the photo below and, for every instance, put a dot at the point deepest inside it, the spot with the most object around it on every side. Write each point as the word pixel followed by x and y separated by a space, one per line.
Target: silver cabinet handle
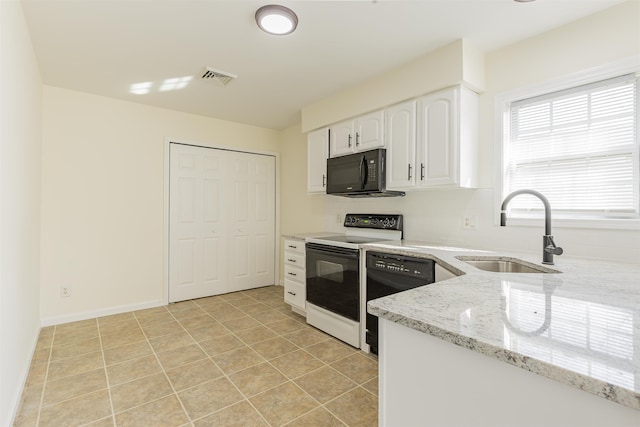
pixel 349 140
pixel 409 177
pixel 291 260
pixel 291 293
pixel 293 247
pixel 421 171
pixel 292 274
pixel 323 180
pixel 357 139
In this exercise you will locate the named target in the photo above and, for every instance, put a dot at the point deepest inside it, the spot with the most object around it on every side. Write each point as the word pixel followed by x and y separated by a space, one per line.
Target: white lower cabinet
pixel 426 381
pixel 295 292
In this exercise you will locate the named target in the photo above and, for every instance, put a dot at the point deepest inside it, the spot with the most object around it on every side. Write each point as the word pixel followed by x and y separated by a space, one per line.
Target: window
pixel 577 146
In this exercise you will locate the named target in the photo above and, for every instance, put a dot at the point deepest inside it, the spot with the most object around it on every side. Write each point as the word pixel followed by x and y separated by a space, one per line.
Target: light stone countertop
pixel 580 327
pixel 303 236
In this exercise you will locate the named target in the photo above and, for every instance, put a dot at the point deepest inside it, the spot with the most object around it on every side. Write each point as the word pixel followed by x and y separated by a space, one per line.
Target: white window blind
pixel 578 147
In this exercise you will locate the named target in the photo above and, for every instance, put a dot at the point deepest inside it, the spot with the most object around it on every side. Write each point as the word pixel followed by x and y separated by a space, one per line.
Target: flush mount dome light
pixel 276 19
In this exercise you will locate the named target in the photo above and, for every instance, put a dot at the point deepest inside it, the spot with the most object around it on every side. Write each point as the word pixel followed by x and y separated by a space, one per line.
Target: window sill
pixel 603 224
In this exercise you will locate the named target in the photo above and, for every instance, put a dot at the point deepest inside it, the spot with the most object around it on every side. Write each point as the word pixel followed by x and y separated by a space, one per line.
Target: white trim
pixel 501 107
pixel 606 224
pixel 58 320
pixel 165 240
pixel 602 72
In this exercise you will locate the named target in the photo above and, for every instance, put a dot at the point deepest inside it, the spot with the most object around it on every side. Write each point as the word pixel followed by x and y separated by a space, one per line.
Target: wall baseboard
pixel 57 320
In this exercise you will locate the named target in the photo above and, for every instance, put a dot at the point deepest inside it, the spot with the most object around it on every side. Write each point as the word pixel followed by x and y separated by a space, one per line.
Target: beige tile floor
pixel 240 359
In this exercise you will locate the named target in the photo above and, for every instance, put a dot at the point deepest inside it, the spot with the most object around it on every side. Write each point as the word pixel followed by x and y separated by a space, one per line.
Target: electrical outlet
pixel 65 291
pixel 470 222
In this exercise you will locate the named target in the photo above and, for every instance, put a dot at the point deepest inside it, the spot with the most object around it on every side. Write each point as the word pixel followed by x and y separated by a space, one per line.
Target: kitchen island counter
pixel 580 327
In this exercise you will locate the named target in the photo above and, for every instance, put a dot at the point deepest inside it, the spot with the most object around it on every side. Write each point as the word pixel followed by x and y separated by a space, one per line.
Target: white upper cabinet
pixel 431 142
pixel 400 136
pixel 317 153
pixel 360 134
pixel 342 138
pixel 370 131
pixel 446 152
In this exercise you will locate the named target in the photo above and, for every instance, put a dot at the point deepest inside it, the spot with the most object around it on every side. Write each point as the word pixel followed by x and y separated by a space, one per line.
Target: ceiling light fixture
pixel 276 19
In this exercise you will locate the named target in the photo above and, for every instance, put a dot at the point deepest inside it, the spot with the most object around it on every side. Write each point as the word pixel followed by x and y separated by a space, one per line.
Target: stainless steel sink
pixel 504 265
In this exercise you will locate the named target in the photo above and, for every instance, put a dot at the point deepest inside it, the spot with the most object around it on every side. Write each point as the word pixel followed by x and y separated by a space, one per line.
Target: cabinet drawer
pixel 294 258
pixel 294 274
pixel 294 293
pixel 294 246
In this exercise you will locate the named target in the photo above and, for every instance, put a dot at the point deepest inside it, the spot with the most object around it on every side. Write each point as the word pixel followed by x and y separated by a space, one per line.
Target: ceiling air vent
pixel 221 78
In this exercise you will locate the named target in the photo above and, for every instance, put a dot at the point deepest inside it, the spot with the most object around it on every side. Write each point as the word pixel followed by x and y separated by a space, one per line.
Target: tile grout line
pixel 323 405
pixel 255 316
pixel 227 376
pixel 46 375
pixel 292 380
pixel 153 350
pixel 106 374
pixel 265 360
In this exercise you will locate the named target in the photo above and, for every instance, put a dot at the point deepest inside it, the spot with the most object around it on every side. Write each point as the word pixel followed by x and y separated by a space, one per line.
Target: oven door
pixel 333 279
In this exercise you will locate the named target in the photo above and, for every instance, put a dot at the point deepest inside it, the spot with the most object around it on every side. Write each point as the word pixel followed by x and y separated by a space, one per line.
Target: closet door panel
pixel 197 217
pixel 253 222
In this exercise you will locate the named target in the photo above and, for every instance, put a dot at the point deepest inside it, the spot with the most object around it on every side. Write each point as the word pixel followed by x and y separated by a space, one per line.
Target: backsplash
pixel 438 217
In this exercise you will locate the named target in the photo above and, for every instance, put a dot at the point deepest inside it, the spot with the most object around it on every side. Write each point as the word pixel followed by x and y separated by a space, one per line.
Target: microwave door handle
pixel 363 172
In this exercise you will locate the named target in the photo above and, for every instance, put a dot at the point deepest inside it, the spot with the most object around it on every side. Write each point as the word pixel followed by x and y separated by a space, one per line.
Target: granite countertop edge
pixel 390 309
pixel 303 236
pixel 586 383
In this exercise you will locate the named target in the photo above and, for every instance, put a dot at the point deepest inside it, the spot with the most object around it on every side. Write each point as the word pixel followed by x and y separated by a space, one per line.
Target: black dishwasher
pixel 388 274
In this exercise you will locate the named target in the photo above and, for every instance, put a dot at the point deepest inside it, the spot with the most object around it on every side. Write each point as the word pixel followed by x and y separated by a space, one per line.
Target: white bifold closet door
pixel 221 221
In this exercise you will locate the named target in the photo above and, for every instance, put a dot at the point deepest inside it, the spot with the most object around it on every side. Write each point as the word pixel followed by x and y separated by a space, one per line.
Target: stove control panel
pixel 381 222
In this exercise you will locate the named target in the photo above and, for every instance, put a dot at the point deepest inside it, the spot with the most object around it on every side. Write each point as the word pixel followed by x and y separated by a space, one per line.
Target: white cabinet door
pixel 317 153
pixel 342 138
pixel 251 221
pixel 438 138
pixel 197 223
pixel 363 133
pixel 400 136
pixel 369 131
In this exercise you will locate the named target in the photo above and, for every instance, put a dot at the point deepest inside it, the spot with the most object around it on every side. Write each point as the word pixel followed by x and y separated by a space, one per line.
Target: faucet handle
pixel 551 248
pixel 556 250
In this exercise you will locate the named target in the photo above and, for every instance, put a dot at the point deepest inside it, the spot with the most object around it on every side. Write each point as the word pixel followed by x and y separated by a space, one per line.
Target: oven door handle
pixel 333 250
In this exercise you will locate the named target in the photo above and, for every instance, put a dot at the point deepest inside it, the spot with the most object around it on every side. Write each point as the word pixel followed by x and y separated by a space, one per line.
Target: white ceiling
pixel 106 46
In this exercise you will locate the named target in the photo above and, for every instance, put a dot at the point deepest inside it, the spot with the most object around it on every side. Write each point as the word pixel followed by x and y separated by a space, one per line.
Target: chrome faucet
pixel 549 247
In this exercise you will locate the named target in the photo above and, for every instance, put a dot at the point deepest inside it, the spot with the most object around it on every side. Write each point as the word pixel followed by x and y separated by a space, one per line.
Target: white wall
pixel 436 216
pixel 103 198
pixel 20 145
pixel 452 64
pixel 304 209
pixel 300 210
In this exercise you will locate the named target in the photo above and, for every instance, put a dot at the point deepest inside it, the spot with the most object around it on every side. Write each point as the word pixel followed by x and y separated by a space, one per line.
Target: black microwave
pixel 359 175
